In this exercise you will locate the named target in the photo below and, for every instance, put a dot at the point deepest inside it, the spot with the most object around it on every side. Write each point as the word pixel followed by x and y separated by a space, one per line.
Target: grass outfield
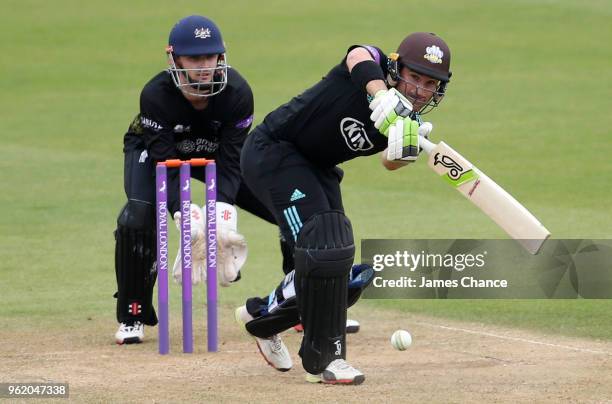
pixel 529 104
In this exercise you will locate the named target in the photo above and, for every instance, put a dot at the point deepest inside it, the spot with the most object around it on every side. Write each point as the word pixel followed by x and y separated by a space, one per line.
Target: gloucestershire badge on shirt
pixel 354 134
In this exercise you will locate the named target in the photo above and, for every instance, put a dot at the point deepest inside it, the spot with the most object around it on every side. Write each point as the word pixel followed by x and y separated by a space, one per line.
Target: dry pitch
pixel 448 362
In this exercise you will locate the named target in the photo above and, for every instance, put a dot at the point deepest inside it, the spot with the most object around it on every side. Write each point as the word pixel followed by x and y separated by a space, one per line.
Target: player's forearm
pixel 392 165
pixel 375 86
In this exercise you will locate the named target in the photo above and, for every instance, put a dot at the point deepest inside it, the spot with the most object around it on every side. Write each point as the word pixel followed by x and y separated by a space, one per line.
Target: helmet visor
pixel 423 98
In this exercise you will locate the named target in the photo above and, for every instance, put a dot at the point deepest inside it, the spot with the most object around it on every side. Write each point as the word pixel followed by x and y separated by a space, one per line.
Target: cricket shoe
pixel 337 372
pixel 352 326
pixel 130 333
pixel 272 349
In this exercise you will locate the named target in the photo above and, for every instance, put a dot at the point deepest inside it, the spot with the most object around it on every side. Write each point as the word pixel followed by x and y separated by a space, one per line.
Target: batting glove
pixel 404 137
pixel 387 106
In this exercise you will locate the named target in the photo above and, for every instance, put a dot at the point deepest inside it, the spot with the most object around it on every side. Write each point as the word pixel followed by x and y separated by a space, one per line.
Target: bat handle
pixel 426 145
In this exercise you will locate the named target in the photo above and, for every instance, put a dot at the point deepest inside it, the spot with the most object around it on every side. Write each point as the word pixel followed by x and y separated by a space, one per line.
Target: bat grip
pixel 426 145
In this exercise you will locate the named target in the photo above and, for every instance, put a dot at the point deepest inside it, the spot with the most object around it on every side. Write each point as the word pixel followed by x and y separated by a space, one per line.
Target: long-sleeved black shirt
pixel 168 127
pixel 330 122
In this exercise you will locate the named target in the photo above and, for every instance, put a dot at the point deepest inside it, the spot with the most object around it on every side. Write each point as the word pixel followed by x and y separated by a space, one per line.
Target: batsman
pixel 369 103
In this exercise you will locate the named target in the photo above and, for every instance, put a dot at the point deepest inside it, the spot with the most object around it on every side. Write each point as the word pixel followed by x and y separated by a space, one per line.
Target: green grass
pixel 528 103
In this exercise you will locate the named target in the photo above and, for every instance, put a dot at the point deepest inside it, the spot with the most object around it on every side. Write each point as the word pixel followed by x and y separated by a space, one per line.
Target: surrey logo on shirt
pixel 355 135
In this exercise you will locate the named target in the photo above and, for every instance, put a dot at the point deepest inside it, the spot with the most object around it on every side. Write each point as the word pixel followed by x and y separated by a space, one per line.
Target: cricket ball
pixel 401 340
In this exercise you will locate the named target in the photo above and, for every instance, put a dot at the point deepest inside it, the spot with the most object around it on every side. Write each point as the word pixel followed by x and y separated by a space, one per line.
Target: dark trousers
pixel 293 189
pixel 289 186
pixel 139 184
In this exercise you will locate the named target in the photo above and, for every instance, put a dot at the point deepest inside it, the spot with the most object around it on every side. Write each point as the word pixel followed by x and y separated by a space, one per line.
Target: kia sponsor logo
pixel 354 134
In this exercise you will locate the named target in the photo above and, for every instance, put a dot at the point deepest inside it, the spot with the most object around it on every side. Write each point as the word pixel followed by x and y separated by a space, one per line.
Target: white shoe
pixel 337 372
pixel 272 349
pixel 352 326
pixel 130 334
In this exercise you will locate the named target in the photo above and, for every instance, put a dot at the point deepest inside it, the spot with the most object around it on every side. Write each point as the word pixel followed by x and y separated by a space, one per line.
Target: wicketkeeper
pixel 198 107
pixel 368 103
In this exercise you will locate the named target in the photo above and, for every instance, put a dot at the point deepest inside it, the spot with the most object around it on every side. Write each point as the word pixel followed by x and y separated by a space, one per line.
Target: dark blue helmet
pixel 196 35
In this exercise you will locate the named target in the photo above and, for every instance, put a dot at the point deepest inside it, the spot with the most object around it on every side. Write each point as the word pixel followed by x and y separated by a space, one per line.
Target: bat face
pixel 492 199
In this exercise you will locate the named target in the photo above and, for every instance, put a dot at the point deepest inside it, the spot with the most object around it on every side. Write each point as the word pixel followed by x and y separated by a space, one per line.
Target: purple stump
pixel 162 258
pixel 185 201
pixel 211 255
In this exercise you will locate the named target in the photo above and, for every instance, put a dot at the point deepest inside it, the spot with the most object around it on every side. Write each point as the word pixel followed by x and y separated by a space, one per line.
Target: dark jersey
pixel 168 127
pixel 330 122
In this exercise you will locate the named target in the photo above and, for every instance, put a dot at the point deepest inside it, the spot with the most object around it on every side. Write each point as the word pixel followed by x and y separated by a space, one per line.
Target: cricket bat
pixel 483 192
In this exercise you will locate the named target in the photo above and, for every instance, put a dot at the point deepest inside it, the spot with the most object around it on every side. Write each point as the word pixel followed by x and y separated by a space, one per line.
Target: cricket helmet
pixel 194 36
pixel 427 54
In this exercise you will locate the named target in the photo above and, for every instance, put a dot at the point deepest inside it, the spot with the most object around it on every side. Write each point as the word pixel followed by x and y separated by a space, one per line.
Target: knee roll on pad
pixel 324 254
pixel 326 230
pixel 325 247
pixel 137 215
pixel 135 247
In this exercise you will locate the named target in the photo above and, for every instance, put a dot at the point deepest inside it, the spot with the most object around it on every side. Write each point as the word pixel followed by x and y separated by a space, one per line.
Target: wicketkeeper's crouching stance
pixel 368 103
pixel 198 107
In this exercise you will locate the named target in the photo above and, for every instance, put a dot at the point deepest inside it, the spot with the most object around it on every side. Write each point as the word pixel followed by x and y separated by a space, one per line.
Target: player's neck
pixel 198 103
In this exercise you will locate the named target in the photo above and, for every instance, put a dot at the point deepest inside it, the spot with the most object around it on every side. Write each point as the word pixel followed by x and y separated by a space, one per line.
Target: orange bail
pixel 199 162
pixel 173 163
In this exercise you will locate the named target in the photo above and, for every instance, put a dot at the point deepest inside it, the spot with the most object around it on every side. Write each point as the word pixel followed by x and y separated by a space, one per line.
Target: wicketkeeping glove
pixel 198 247
pixel 232 247
pixel 387 106
pixel 404 136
